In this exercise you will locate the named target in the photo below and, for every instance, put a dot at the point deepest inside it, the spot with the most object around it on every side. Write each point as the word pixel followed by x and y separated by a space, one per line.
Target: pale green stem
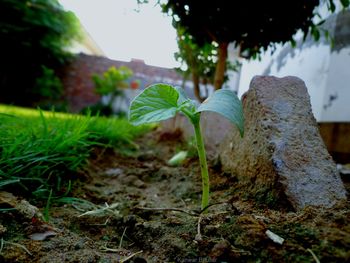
pixel 203 163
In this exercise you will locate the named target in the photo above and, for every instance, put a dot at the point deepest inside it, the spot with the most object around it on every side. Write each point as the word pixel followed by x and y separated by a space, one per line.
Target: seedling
pixel 160 102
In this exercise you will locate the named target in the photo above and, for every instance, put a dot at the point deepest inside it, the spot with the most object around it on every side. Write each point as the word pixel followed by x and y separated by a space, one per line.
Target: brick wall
pixel 79 88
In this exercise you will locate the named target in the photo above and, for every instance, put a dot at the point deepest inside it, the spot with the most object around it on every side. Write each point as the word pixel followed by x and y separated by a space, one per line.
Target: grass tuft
pixel 40 151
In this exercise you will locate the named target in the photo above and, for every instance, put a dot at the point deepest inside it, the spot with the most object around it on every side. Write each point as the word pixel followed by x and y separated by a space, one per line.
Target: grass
pixel 41 151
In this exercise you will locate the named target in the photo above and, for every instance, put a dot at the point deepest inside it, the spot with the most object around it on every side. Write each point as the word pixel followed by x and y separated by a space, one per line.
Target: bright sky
pixel 123 34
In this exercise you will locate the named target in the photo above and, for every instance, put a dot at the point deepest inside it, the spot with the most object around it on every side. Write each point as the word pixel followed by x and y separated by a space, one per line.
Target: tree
pixel 200 61
pixel 33 34
pixel 251 26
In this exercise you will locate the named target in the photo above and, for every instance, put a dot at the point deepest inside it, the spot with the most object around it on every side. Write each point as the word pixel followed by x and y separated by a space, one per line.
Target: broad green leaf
pixel 226 103
pixel 156 103
pixel 182 95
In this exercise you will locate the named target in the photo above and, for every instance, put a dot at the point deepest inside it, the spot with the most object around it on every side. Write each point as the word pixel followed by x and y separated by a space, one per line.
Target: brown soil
pixel 115 226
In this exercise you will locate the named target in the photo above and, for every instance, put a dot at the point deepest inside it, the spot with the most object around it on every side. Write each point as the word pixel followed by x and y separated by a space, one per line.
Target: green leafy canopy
pixel 34 34
pixel 161 101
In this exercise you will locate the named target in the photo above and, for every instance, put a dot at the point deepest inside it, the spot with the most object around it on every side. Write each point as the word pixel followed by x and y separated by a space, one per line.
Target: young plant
pixel 160 102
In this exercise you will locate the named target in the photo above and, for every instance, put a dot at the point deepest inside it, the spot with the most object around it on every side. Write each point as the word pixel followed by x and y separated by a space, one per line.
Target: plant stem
pixel 203 163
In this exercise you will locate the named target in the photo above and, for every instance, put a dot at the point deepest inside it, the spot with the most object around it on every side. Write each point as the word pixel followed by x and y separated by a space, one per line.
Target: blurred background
pixel 87 55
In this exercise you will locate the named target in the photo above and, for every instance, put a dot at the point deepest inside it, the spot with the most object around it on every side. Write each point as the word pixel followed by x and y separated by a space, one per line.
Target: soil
pixel 139 209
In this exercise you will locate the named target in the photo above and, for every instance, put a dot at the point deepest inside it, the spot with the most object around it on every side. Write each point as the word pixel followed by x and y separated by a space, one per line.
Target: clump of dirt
pixel 134 207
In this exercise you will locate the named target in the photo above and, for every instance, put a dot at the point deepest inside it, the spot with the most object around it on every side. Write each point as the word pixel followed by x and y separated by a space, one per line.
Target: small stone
pixel 146 156
pixel 42 236
pixel 198 238
pixel 220 249
pixel 114 172
pixel 23 207
pixel 80 244
pixel 139 184
pixel 2 230
pixel 8 198
pixel 129 179
pixel 27 210
pixel 274 237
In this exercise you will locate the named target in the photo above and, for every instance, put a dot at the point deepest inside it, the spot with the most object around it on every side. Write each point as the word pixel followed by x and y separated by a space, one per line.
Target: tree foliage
pixel 252 27
pixel 112 81
pixel 33 34
pixel 111 84
pixel 199 61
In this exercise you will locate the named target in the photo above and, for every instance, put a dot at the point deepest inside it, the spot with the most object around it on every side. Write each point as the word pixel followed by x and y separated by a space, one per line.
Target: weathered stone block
pixel 282 155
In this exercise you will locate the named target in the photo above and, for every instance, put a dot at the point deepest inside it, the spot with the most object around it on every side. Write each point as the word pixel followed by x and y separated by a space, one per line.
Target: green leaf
pixel 156 103
pixel 182 95
pixel 226 103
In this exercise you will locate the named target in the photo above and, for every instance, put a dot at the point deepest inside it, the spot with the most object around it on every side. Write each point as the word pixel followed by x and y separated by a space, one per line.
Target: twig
pixel 1 245
pixel 130 256
pixel 121 239
pixel 313 255
pixel 104 224
pixel 15 244
pixel 107 208
pixel 118 250
pixel 77 208
pixel 168 209
pixel 199 235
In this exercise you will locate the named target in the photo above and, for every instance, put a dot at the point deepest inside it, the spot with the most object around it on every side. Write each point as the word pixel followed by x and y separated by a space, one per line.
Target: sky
pixel 123 33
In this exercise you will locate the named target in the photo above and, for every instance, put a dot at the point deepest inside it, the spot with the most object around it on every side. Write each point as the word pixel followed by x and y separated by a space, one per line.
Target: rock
pixel 219 249
pixel 114 172
pixel 42 236
pixel 139 183
pixel 146 156
pixel 2 229
pixel 23 207
pixel 282 156
pixel 132 180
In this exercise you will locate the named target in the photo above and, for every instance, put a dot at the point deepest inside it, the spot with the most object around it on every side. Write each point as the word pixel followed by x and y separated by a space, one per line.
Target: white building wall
pixel 325 71
pixel 311 65
pixel 233 76
pixel 336 103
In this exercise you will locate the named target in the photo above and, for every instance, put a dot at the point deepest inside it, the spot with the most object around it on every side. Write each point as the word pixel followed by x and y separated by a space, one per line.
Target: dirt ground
pixel 139 209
